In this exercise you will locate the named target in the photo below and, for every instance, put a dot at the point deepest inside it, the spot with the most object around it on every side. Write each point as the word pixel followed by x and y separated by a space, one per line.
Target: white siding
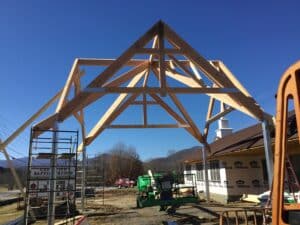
pixel 238 175
pixel 214 186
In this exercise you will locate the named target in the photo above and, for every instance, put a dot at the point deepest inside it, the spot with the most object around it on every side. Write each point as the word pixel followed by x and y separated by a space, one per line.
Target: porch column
pixel 205 168
pixel 268 150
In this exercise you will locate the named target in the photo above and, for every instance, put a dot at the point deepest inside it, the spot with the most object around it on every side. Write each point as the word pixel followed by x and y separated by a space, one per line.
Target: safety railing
pixel 256 216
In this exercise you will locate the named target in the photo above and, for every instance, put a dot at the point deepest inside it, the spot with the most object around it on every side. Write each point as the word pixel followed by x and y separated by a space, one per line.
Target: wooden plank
pixel 142 102
pixel 151 57
pixel 30 120
pixel 187 117
pixel 72 74
pixel 78 117
pixel 230 75
pixel 188 81
pixel 107 62
pixel 219 115
pixel 95 131
pixel 145 118
pixel 221 97
pixel 154 45
pixel 154 51
pixel 161 48
pixel 147 90
pixel 185 114
pixel 208 115
pixel 131 62
pixel 127 75
pixel 183 67
pixel 80 100
pixel 140 126
pixel 210 108
pixel 196 58
pixel 44 125
pixel 194 69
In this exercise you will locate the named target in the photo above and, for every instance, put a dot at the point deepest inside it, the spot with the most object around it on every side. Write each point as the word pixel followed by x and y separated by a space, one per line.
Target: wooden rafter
pixel 221 97
pixel 81 100
pixel 184 112
pixel 209 70
pixel 208 115
pixel 161 48
pixel 226 87
pixel 74 71
pixel 48 122
pixel 185 69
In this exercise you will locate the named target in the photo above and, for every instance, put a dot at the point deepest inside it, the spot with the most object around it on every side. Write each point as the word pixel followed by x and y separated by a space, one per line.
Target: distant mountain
pixel 18 163
pixel 23 162
pixel 173 161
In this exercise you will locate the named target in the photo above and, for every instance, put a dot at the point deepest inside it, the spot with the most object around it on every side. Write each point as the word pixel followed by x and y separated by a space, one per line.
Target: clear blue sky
pixel 39 40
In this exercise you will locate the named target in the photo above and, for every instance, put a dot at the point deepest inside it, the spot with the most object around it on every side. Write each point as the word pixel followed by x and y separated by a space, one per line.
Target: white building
pixel 237 165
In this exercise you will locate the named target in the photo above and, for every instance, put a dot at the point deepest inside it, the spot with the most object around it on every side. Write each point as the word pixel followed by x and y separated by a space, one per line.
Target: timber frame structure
pixel 164 63
pixel 177 69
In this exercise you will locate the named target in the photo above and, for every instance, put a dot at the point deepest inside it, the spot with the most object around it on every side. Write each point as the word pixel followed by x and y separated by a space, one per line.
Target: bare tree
pixel 122 161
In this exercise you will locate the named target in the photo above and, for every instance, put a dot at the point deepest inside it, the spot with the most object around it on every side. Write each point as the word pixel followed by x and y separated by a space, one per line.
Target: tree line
pixel 121 161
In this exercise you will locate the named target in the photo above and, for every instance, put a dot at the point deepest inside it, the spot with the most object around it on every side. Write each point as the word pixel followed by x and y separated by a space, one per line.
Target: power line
pixel 13 150
pixel 13 158
pixel 9 128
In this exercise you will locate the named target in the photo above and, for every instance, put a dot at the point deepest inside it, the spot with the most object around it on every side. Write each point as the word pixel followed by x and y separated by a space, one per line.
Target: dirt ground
pixel 119 208
pixel 9 212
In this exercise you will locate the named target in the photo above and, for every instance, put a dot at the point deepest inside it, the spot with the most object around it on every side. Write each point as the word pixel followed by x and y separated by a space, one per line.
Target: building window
pixel 214 170
pixel 188 169
pixel 199 167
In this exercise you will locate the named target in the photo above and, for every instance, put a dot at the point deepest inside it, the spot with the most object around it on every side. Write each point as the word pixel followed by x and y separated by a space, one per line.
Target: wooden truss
pixel 177 69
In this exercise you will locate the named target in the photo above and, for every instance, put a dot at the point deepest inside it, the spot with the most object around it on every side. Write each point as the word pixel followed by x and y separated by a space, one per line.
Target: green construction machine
pixel 165 190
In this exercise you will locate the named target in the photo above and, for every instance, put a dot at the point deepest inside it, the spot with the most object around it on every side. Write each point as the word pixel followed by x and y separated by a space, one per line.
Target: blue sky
pixel 39 41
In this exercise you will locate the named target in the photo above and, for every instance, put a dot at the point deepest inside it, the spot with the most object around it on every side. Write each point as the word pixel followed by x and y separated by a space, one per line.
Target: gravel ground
pixel 120 208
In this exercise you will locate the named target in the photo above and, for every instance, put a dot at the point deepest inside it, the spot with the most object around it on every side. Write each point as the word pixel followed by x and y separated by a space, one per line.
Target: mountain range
pixel 176 157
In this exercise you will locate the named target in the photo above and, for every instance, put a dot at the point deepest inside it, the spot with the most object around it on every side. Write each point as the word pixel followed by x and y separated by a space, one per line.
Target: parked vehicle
pixel 124 182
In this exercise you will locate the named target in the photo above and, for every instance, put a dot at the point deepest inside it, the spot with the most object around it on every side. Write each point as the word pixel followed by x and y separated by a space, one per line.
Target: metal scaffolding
pixel 51 175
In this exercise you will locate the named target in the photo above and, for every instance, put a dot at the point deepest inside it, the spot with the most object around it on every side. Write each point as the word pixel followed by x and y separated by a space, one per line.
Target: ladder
pixel 292 180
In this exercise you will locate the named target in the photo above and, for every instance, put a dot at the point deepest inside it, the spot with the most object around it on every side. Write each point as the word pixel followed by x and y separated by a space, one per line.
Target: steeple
pixel 223 125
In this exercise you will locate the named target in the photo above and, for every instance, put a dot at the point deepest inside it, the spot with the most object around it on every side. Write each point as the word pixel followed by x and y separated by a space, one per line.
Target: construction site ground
pixel 119 208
